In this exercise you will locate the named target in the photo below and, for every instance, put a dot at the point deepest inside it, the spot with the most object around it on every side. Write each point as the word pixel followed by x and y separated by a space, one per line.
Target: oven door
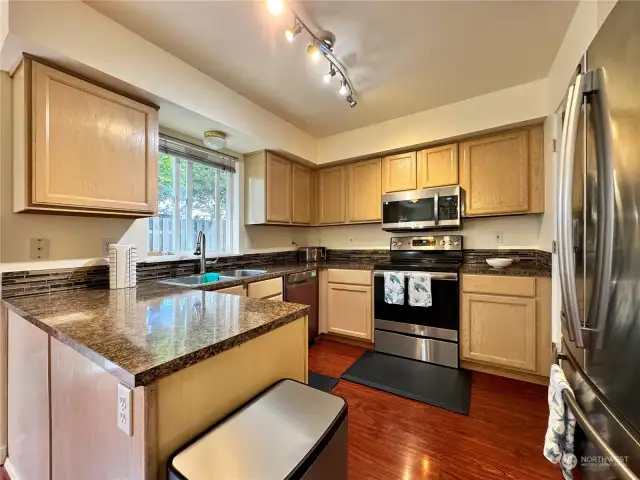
pixel 439 321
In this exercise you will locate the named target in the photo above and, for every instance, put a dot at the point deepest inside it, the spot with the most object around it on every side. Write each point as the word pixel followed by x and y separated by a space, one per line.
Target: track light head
pixel 344 88
pixel 292 33
pixel 314 52
pixel 326 78
pixel 352 101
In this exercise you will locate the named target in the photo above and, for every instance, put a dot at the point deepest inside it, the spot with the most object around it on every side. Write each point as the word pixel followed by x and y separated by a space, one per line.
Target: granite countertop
pixel 516 269
pixel 151 331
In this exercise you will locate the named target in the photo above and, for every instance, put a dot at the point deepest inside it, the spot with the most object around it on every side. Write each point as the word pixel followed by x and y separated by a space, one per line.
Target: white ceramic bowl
pixel 499 262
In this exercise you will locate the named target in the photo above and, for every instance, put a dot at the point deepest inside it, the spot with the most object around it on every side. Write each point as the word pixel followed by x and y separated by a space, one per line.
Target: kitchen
pixel 441 205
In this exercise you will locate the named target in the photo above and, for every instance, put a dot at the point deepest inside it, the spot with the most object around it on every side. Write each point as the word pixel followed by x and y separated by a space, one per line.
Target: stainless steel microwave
pixel 427 209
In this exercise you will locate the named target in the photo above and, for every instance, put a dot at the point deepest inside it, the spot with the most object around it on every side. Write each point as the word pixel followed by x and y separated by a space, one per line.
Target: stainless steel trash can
pixel 290 431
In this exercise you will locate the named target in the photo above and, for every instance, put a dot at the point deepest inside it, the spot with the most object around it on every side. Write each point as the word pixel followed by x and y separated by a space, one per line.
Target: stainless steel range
pixel 429 334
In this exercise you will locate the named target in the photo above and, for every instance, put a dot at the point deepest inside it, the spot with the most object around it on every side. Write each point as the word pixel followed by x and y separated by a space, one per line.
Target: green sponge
pixel 210 277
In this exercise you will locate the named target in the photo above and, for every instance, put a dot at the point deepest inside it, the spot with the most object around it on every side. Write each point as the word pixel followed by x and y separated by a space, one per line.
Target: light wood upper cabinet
pixel 503 173
pixel 438 166
pixel 399 172
pixel 331 195
pixel 499 330
pixel 349 310
pixel 81 148
pixel 278 189
pixel 364 196
pixel 302 194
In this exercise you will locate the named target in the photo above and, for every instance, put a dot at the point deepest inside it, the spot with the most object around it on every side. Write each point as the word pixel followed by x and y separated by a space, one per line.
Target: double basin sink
pixel 206 278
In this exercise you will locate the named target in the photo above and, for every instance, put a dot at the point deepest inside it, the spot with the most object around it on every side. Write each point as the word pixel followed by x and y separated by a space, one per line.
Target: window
pixel 195 192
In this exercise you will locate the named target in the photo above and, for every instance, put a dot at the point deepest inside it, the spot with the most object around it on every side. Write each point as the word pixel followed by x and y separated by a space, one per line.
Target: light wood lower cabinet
pixel 265 288
pixel 237 290
pixel 349 310
pixel 80 148
pixel 506 328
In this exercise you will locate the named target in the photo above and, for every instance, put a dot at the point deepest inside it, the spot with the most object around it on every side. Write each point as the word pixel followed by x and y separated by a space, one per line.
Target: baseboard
pixel 503 372
pixel 348 340
pixel 10 470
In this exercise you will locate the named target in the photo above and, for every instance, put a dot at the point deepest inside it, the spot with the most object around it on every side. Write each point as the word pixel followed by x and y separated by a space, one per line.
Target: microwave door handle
pixel 436 208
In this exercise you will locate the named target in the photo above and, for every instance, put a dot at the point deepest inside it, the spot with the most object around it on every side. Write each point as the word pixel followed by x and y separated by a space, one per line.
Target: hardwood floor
pixel 391 437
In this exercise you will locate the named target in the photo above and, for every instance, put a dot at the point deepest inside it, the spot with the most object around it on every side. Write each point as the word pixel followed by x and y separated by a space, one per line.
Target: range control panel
pixel 433 242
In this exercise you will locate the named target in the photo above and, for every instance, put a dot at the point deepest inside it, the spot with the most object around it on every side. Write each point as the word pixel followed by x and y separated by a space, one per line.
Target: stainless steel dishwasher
pixel 303 288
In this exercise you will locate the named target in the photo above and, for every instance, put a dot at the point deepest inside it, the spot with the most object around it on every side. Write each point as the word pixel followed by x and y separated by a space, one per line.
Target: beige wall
pixel 519 231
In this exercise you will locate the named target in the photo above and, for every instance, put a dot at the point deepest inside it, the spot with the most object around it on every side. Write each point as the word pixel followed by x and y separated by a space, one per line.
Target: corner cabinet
pixel 399 172
pixel 277 191
pixel 80 148
pixel 503 173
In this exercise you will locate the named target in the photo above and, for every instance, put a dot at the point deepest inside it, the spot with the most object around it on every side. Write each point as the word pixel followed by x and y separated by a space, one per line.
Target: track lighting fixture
pixel 321 45
pixel 326 78
pixel 344 90
pixel 292 33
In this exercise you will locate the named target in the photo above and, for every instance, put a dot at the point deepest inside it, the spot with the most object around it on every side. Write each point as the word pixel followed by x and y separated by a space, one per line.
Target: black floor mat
pixel 322 382
pixel 442 387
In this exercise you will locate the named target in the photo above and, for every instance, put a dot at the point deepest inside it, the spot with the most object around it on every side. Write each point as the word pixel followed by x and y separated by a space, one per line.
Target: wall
pixel 522 103
pixel 519 231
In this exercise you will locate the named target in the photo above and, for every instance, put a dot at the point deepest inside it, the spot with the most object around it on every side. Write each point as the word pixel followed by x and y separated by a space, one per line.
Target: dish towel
pixel 420 290
pixel 394 288
pixel 558 441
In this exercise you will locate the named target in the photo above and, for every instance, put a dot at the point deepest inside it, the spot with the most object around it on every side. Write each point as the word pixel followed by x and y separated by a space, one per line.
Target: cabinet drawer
pixel 266 288
pixel 277 298
pixel 351 277
pixel 237 290
pixel 499 285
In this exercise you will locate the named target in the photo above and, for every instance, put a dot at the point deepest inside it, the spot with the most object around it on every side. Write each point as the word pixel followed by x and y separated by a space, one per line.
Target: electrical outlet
pixel 39 248
pixel 351 241
pixel 125 399
pixel 499 238
pixel 105 245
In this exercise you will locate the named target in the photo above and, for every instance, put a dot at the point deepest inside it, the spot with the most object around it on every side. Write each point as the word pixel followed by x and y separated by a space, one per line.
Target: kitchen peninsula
pixel 189 356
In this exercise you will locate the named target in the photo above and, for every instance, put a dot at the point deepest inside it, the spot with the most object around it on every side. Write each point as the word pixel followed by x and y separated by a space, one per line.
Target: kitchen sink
pixel 198 279
pixel 241 273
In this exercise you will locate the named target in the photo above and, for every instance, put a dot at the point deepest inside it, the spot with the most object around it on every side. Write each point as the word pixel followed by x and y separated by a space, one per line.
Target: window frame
pixel 224 237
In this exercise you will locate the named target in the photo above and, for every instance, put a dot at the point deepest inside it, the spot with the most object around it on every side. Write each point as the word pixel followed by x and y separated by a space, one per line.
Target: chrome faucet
pixel 201 248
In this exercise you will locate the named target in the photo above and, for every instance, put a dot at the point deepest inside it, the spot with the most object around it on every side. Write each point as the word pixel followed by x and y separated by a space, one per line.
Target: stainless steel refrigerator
pixel 598 239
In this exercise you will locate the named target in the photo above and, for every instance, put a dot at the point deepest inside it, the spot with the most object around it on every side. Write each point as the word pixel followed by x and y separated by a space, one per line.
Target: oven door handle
pixel 434 276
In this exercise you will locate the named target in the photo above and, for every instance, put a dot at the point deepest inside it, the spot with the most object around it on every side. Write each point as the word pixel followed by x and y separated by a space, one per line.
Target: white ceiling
pixel 402 56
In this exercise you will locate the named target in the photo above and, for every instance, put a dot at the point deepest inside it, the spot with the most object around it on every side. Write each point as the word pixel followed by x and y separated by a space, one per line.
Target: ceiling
pixel 402 56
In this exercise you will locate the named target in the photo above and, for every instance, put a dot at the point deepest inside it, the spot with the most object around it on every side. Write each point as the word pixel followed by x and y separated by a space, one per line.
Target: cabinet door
pixel 349 310
pixel 278 189
pixel 499 330
pixel 438 166
pixel 301 202
pixel 399 172
pixel 92 148
pixel 364 192
pixel 494 172
pixel 331 195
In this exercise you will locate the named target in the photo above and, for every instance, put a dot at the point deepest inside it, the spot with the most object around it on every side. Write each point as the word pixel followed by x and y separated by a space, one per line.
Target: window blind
pixel 189 151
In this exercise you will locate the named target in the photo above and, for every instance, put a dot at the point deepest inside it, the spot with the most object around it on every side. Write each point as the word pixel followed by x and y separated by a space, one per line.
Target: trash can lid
pixel 267 439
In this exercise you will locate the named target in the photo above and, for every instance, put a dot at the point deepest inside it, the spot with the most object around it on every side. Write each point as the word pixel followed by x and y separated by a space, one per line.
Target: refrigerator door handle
pixel 618 466
pixel 595 89
pixel 564 226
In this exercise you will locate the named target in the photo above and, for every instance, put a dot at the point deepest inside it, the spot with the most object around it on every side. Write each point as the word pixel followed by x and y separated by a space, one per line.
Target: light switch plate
pixel 125 400
pixel 39 248
pixel 105 245
pixel 499 238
